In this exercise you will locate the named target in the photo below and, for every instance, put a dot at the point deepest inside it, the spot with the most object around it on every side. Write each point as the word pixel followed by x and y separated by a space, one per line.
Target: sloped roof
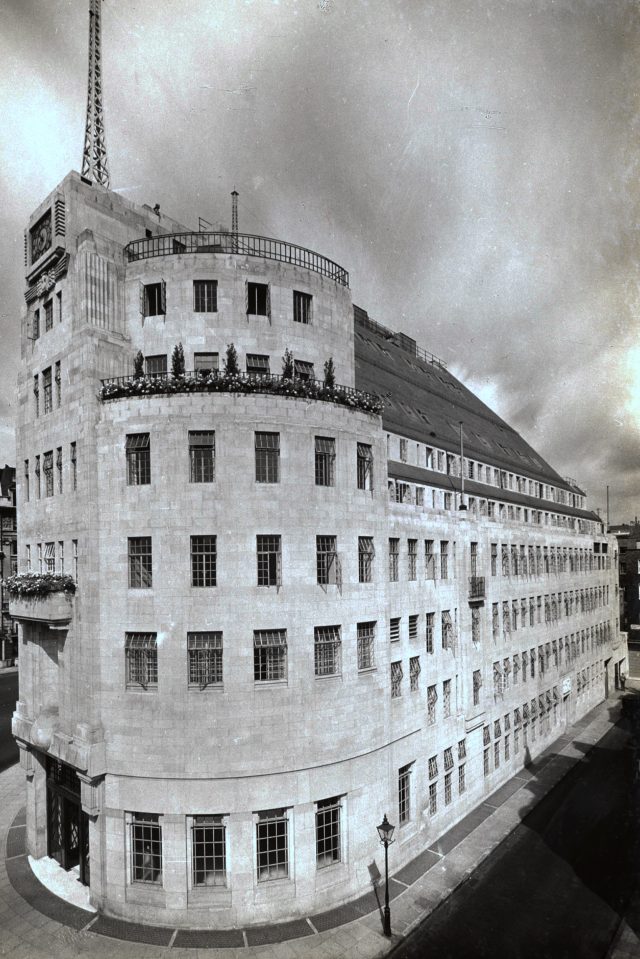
pixel 425 402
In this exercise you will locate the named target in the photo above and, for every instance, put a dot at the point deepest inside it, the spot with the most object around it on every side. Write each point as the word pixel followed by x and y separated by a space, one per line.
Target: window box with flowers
pixel 41 597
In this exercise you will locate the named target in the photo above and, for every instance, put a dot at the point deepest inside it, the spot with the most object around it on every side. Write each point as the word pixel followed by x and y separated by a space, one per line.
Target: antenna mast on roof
pixel 94 155
pixel 234 219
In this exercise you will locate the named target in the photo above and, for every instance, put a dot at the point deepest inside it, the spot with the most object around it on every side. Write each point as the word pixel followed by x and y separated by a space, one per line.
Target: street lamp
pixel 385 832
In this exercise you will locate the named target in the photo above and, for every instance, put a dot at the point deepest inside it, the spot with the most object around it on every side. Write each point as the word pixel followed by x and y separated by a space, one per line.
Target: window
pixel 412 558
pixel 327 644
pixel 26 481
pixel 413 626
pixel 269 560
pixel 205 296
pixel 404 794
pixel 140 562
pixel 58 381
pixel 59 467
pixel 138 454
pixel 208 848
pixel 328 841
pixel 432 699
pixel 486 761
pixel 444 559
pixel 203 561
pixel 205 362
pixel 46 389
pixel 403 450
pixel 49 558
pixel 257 364
pixel 141 659
pixel 365 466
pixel 496 754
pixel 36 394
pixel 36 324
pixel 154 300
pixel 302 307
pixel 429 559
pixel 447 789
pixel 414 673
pixel 462 750
pixel 326 560
pixel 267 457
pixel 461 779
pixel 394 629
pixel 269 655
pixel 366 638
pixel 205 659
pixel 433 798
pixel 477 683
pixel 59 298
pixel 202 456
pixel 74 466
pixel 258 299
pixel 28 558
pixel 475 625
pixel 74 543
pixel 429 626
pixel 47 467
pixel 303 370
pixel 146 848
pixel 48 315
pixel 325 461
pixel 446 698
pixel 37 472
pixel 365 558
pixel 396 680
pixel 156 365
pixel 272 844
pixel 394 557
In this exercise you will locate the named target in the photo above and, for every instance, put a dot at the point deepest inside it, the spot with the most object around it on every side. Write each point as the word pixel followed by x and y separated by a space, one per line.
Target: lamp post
pixel 385 832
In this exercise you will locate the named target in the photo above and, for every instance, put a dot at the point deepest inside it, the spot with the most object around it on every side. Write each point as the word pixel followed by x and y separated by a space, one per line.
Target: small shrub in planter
pixel 38 584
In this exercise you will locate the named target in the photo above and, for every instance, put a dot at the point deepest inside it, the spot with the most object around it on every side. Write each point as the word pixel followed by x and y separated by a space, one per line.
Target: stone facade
pixel 351 662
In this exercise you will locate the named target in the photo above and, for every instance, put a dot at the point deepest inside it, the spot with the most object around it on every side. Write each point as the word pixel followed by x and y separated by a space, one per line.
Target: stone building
pixel 8 564
pixel 290 617
pixel 628 537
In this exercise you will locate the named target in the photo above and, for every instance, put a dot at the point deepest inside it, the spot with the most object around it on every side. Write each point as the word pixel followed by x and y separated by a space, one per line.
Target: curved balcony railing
pixel 155 384
pixel 241 244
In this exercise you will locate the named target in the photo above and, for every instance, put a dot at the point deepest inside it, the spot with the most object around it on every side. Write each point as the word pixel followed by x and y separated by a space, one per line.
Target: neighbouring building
pixel 628 537
pixel 8 564
pixel 290 618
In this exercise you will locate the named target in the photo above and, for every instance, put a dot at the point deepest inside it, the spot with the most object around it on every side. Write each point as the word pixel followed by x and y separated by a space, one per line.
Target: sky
pixel 473 163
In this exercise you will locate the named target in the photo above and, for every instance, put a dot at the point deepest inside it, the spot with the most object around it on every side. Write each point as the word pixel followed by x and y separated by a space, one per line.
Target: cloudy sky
pixel 472 163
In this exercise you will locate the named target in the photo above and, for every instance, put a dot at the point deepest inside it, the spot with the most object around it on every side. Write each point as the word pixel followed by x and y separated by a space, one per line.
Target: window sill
pixel 196 687
pixel 367 669
pixel 137 688
pixel 328 676
pixel 261 683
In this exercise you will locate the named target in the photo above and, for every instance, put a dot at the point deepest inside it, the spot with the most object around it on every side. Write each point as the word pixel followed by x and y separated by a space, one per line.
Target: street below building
pixel 559 885
pixel 8 696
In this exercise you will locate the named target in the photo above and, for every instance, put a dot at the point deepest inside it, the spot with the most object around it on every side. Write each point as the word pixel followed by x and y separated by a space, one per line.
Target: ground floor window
pixel 272 844
pixel 328 832
pixel 209 851
pixel 146 848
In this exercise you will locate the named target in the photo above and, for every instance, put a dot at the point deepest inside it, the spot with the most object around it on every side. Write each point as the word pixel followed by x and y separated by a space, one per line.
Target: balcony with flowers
pixel 41 597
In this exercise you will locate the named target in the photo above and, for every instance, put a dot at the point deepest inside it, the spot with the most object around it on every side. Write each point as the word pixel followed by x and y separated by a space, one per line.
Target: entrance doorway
pixel 606 678
pixel 67 824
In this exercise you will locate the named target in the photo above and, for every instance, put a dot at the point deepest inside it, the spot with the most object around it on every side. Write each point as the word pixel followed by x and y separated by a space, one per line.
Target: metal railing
pixel 240 244
pixel 398 339
pixel 217 381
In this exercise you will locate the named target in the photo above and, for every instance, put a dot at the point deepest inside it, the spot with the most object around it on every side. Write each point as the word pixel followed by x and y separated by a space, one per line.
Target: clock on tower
pixel 41 236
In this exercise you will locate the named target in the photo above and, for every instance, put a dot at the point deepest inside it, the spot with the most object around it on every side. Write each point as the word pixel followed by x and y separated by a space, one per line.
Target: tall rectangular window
pixel 446 698
pixel 429 627
pixel 37 473
pixel 404 794
pixel 49 558
pixel 205 296
pixel 412 558
pixel 366 640
pixel 36 394
pixel 46 390
pixel 447 631
pixel 326 560
pixel 444 559
pixel 258 299
pixel 208 847
pixel 202 456
pixel 141 659
pixel 365 559
pixel 74 466
pixel 26 481
pixel 394 629
pixel 61 557
pixel 154 299
pixel 461 779
pixel 36 324
pixel 58 381
pixel 328 842
pixel 327 644
pixel 413 626
pixel 477 684
pixel 394 558
pixel 272 845
pixel 48 315
pixel 432 699
pixel 257 364
pixel 302 307
pixel 205 659
pixel 206 362
pixel 269 655
pixel 364 465
pixel 48 473
pixel 74 544
pixel 414 673
pixel 203 561
pixel 325 461
pixel 269 554
pixel 138 452
pixel 59 298
pixel 433 798
pixel 146 848
pixel 267 457
pixel 59 467
pixel 140 562
pixel 303 370
pixel 396 679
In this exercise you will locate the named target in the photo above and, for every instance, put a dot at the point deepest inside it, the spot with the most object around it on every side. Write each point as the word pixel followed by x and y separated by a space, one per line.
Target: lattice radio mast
pixel 94 155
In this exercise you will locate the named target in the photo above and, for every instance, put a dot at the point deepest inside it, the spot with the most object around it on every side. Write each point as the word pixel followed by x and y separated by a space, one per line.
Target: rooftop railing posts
pixel 216 381
pixel 398 339
pixel 238 244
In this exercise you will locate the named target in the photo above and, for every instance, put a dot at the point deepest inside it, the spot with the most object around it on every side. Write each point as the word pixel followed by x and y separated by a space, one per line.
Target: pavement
pixel 36 924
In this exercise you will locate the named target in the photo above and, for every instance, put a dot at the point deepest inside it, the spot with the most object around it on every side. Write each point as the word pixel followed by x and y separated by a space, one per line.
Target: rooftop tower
pixel 94 156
